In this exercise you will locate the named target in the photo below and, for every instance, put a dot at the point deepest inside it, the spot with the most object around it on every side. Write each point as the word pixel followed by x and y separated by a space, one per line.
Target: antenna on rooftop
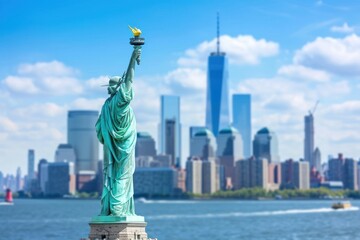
pixel 218 34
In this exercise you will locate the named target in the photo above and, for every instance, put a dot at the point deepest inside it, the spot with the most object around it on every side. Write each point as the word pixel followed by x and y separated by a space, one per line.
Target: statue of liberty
pixel 116 130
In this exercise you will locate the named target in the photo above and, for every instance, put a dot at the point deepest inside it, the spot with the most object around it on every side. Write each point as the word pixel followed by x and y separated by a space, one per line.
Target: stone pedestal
pixel 118 228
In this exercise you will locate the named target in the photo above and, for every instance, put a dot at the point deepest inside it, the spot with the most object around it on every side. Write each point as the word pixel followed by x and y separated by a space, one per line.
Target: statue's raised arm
pixel 131 68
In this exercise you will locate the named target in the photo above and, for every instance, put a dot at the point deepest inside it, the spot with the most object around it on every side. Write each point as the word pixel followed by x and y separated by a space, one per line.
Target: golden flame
pixel 135 31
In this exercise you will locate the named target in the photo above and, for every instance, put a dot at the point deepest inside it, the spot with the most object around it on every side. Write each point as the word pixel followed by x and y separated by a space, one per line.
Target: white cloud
pixel 7 125
pixel 345 28
pixel 192 78
pixel 349 107
pixel 336 55
pixel 53 68
pixel 21 84
pixel 97 82
pixel 40 110
pixel 243 49
pixel 88 103
pixel 44 78
pixel 303 73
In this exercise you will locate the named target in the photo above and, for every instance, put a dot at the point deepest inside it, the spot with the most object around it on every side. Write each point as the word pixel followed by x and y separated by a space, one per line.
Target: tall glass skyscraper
pixel 170 113
pixel 265 145
pixel 31 165
pixel 82 137
pixel 309 139
pixel 241 112
pixel 217 99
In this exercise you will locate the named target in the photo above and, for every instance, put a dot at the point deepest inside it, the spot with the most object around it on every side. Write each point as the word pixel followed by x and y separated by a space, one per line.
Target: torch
pixel 136 40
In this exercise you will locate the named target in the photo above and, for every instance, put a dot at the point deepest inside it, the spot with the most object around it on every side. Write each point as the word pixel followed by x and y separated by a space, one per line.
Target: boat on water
pixel 8 198
pixel 341 205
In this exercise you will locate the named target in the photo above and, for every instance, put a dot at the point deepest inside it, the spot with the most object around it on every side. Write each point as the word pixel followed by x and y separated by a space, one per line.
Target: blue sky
pixel 54 55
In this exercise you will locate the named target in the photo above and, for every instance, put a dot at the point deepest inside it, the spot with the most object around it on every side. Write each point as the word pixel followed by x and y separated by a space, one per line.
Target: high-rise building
pixel 203 145
pixel 209 177
pixel 335 168
pixel 82 137
pixel 274 175
pixel 61 179
pixel 358 175
pixel 31 165
pixel 145 145
pixel 155 181
pixel 229 150
pixel 350 174
pixel 217 93
pixel 317 160
pixel 251 173
pixel 265 145
pixel 295 174
pixel 194 176
pixel 192 131
pixel 170 127
pixel 309 139
pixel 241 112
pixel 65 153
pixel 18 179
pixel 1 181
pixel 42 174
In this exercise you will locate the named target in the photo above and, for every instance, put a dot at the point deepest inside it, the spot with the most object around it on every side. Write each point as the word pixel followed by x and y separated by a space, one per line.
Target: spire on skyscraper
pixel 218 34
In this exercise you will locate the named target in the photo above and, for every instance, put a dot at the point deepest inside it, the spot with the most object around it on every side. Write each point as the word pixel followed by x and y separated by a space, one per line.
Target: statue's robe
pixel 116 130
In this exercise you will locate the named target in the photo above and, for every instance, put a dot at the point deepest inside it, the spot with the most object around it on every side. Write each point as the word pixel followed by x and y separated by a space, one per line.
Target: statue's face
pixel 111 90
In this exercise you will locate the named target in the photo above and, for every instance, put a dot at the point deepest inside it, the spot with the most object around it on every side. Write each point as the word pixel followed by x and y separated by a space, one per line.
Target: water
pixel 185 220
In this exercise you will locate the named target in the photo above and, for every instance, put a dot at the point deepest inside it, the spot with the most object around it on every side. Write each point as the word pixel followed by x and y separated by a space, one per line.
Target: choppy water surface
pixel 184 220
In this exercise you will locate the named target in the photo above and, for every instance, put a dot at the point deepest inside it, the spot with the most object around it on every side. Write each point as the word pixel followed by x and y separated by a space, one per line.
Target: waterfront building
pixel 251 173
pixel 295 174
pixel 315 178
pixel 274 175
pixel 209 177
pixel 241 112
pixel 194 176
pixel 65 153
pixel 317 160
pixel 82 137
pixel 1 181
pixel 217 92
pixel 265 145
pixel 309 139
pixel 335 168
pixel 350 174
pixel 61 179
pixel 18 179
pixel 229 150
pixel 42 174
pixel 145 145
pixel 155 181
pixel 170 128
pixel 86 181
pixel 31 165
pixel 203 145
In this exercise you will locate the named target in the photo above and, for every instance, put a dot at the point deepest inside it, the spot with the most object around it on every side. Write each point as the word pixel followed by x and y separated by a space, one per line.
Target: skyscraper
pixel 265 145
pixel 203 145
pixel 295 174
pixel 251 173
pixel 241 112
pixel 170 116
pixel 309 139
pixel 217 94
pixel 82 137
pixel 65 153
pixel 18 179
pixel 31 165
pixel 42 174
pixel 170 136
pixel 317 160
pixel 145 145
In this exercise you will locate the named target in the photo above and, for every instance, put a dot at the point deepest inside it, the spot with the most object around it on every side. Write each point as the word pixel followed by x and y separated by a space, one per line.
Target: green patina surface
pixel 117 219
pixel 116 130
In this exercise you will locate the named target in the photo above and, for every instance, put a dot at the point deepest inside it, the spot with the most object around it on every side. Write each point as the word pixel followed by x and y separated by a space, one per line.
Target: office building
pixel 317 160
pixel 194 176
pixel 155 181
pixel 309 139
pixel 192 131
pixel 65 153
pixel 251 173
pixel 217 92
pixel 18 179
pixel 42 169
pixel 61 179
pixel 295 175
pixel 229 150
pixel 31 165
pixel 209 177
pixel 145 145
pixel 350 174
pixel 274 176
pixel 203 145
pixel 82 137
pixel 170 128
pixel 265 145
pixel 335 168
pixel 241 112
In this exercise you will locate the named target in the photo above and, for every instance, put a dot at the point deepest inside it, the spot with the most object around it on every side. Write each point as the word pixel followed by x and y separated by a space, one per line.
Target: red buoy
pixel 8 196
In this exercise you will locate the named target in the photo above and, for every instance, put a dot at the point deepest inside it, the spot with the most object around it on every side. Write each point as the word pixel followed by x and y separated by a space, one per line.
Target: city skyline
pixel 41 80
